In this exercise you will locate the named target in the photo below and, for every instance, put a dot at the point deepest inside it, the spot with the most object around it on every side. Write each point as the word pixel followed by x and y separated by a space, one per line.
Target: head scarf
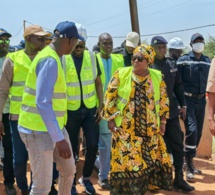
pixel 147 51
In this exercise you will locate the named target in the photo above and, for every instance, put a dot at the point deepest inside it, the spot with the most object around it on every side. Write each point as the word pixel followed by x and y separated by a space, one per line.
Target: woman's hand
pixel 162 128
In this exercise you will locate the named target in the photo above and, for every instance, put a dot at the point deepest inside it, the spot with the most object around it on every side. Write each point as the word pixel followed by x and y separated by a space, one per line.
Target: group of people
pixel 127 100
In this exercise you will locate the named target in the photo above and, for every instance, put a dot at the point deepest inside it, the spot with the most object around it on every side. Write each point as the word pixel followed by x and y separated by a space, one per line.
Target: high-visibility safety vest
pixel 29 116
pixel 124 91
pixel 117 62
pixel 20 71
pixel 88 76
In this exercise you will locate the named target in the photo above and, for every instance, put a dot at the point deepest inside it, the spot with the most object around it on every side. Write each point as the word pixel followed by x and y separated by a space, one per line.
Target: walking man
pixel 44 113
pixel 85 98
pixel 194 69
pixel 108 64
pixel 5 135
pixel 12 81
pixel 173 136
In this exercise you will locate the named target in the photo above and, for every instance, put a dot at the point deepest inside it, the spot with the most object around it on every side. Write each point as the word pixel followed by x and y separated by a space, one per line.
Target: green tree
pixel 210 47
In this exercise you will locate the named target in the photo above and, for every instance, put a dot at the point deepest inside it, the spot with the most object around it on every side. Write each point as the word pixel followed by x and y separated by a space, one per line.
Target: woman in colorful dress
pixel 136 107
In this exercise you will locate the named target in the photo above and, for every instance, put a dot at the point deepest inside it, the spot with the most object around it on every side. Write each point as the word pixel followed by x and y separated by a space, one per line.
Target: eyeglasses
pixel 80 46
pixel 4 41
pixel 139 58
pixel 41 39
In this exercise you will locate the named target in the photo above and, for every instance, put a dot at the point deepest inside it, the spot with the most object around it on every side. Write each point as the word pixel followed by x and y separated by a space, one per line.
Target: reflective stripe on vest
pixel 124 91
pixel 124 101
pixel 88 75
pixel 21 65
pixel 86 96
pixel 76 84
pixel 29 116
pixel 18 83
pixel 16 98
pixel 54 96
pixel 34 110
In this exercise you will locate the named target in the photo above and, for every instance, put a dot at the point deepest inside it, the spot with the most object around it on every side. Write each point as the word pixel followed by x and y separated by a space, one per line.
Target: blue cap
pixel 4 32
pixel 67 30
pixel 158 40
pixel 195 36
pixel 22 44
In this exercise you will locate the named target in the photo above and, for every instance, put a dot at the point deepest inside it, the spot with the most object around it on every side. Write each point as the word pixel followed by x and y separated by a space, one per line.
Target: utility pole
pixel 24 24
pixel 134 16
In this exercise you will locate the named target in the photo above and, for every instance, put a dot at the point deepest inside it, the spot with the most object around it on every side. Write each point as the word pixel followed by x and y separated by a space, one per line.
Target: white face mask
pixel 198 47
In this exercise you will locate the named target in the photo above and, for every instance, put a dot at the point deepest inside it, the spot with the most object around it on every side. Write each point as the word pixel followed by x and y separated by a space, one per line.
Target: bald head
pixel 105 44
pixel 104 36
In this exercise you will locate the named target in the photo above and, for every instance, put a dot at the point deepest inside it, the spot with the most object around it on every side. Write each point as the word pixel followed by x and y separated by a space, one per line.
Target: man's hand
pixel 1 129
pixel 63 149
pixel 212 127
pixel 183 112
pixel 112 126
pixel 97 114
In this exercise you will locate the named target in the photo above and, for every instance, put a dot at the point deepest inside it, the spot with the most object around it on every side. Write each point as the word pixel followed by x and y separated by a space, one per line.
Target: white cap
pixel 176 43
pixel 132 39
pixel 81 30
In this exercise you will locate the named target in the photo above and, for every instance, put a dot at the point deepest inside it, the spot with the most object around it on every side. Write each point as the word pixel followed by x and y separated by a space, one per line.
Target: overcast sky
pixel 112 16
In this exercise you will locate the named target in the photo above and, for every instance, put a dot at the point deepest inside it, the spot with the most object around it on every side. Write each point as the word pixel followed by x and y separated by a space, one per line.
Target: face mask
pixel 198 47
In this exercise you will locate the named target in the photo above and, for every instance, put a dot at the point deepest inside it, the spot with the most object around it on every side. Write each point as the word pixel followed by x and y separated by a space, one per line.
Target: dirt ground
pixel 205 184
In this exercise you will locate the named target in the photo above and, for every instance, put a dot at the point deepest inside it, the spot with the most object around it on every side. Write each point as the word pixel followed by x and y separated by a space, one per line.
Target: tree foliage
pixel 210 47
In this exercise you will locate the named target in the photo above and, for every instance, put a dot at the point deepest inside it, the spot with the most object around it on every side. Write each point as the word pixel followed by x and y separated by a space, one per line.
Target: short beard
pixel 3 53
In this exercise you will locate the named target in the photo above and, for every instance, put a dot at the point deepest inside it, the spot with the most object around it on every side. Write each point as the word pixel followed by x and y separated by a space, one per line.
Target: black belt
pixel 197 96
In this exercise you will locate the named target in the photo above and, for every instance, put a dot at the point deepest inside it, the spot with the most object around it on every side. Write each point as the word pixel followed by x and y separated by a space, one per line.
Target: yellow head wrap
pixel 147 51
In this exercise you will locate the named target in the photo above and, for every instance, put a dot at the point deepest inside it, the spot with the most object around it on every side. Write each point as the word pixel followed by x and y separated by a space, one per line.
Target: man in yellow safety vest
pixel 43 114
pixel 14 72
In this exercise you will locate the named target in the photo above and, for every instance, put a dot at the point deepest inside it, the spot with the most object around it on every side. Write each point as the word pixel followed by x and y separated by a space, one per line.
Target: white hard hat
pixel 176 43
pixel 81 30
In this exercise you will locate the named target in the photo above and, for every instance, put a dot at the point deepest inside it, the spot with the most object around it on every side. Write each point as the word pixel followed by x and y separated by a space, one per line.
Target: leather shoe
pixel 190 177
pixel 10 190
pixel 197 171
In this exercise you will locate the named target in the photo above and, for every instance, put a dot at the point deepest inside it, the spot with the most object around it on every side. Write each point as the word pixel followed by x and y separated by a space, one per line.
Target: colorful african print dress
pixel 139 160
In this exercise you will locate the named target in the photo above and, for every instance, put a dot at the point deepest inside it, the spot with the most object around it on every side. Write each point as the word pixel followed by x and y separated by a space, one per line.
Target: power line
pixel 171 7
pixel 187 29
pixel 41 26
pixel 162 33
pixel 18 31
pixel 144 5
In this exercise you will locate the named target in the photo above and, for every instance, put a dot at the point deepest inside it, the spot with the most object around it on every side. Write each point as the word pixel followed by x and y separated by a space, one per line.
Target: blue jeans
pixel 104 150
pixel 85 118
pixel 20 157
pixel 194 124
pixel 42 153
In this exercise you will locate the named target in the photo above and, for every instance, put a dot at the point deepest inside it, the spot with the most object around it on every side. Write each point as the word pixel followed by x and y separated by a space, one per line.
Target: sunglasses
pixel 4 41
pixel 41 39
pixel 80 46
pixel 139 58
